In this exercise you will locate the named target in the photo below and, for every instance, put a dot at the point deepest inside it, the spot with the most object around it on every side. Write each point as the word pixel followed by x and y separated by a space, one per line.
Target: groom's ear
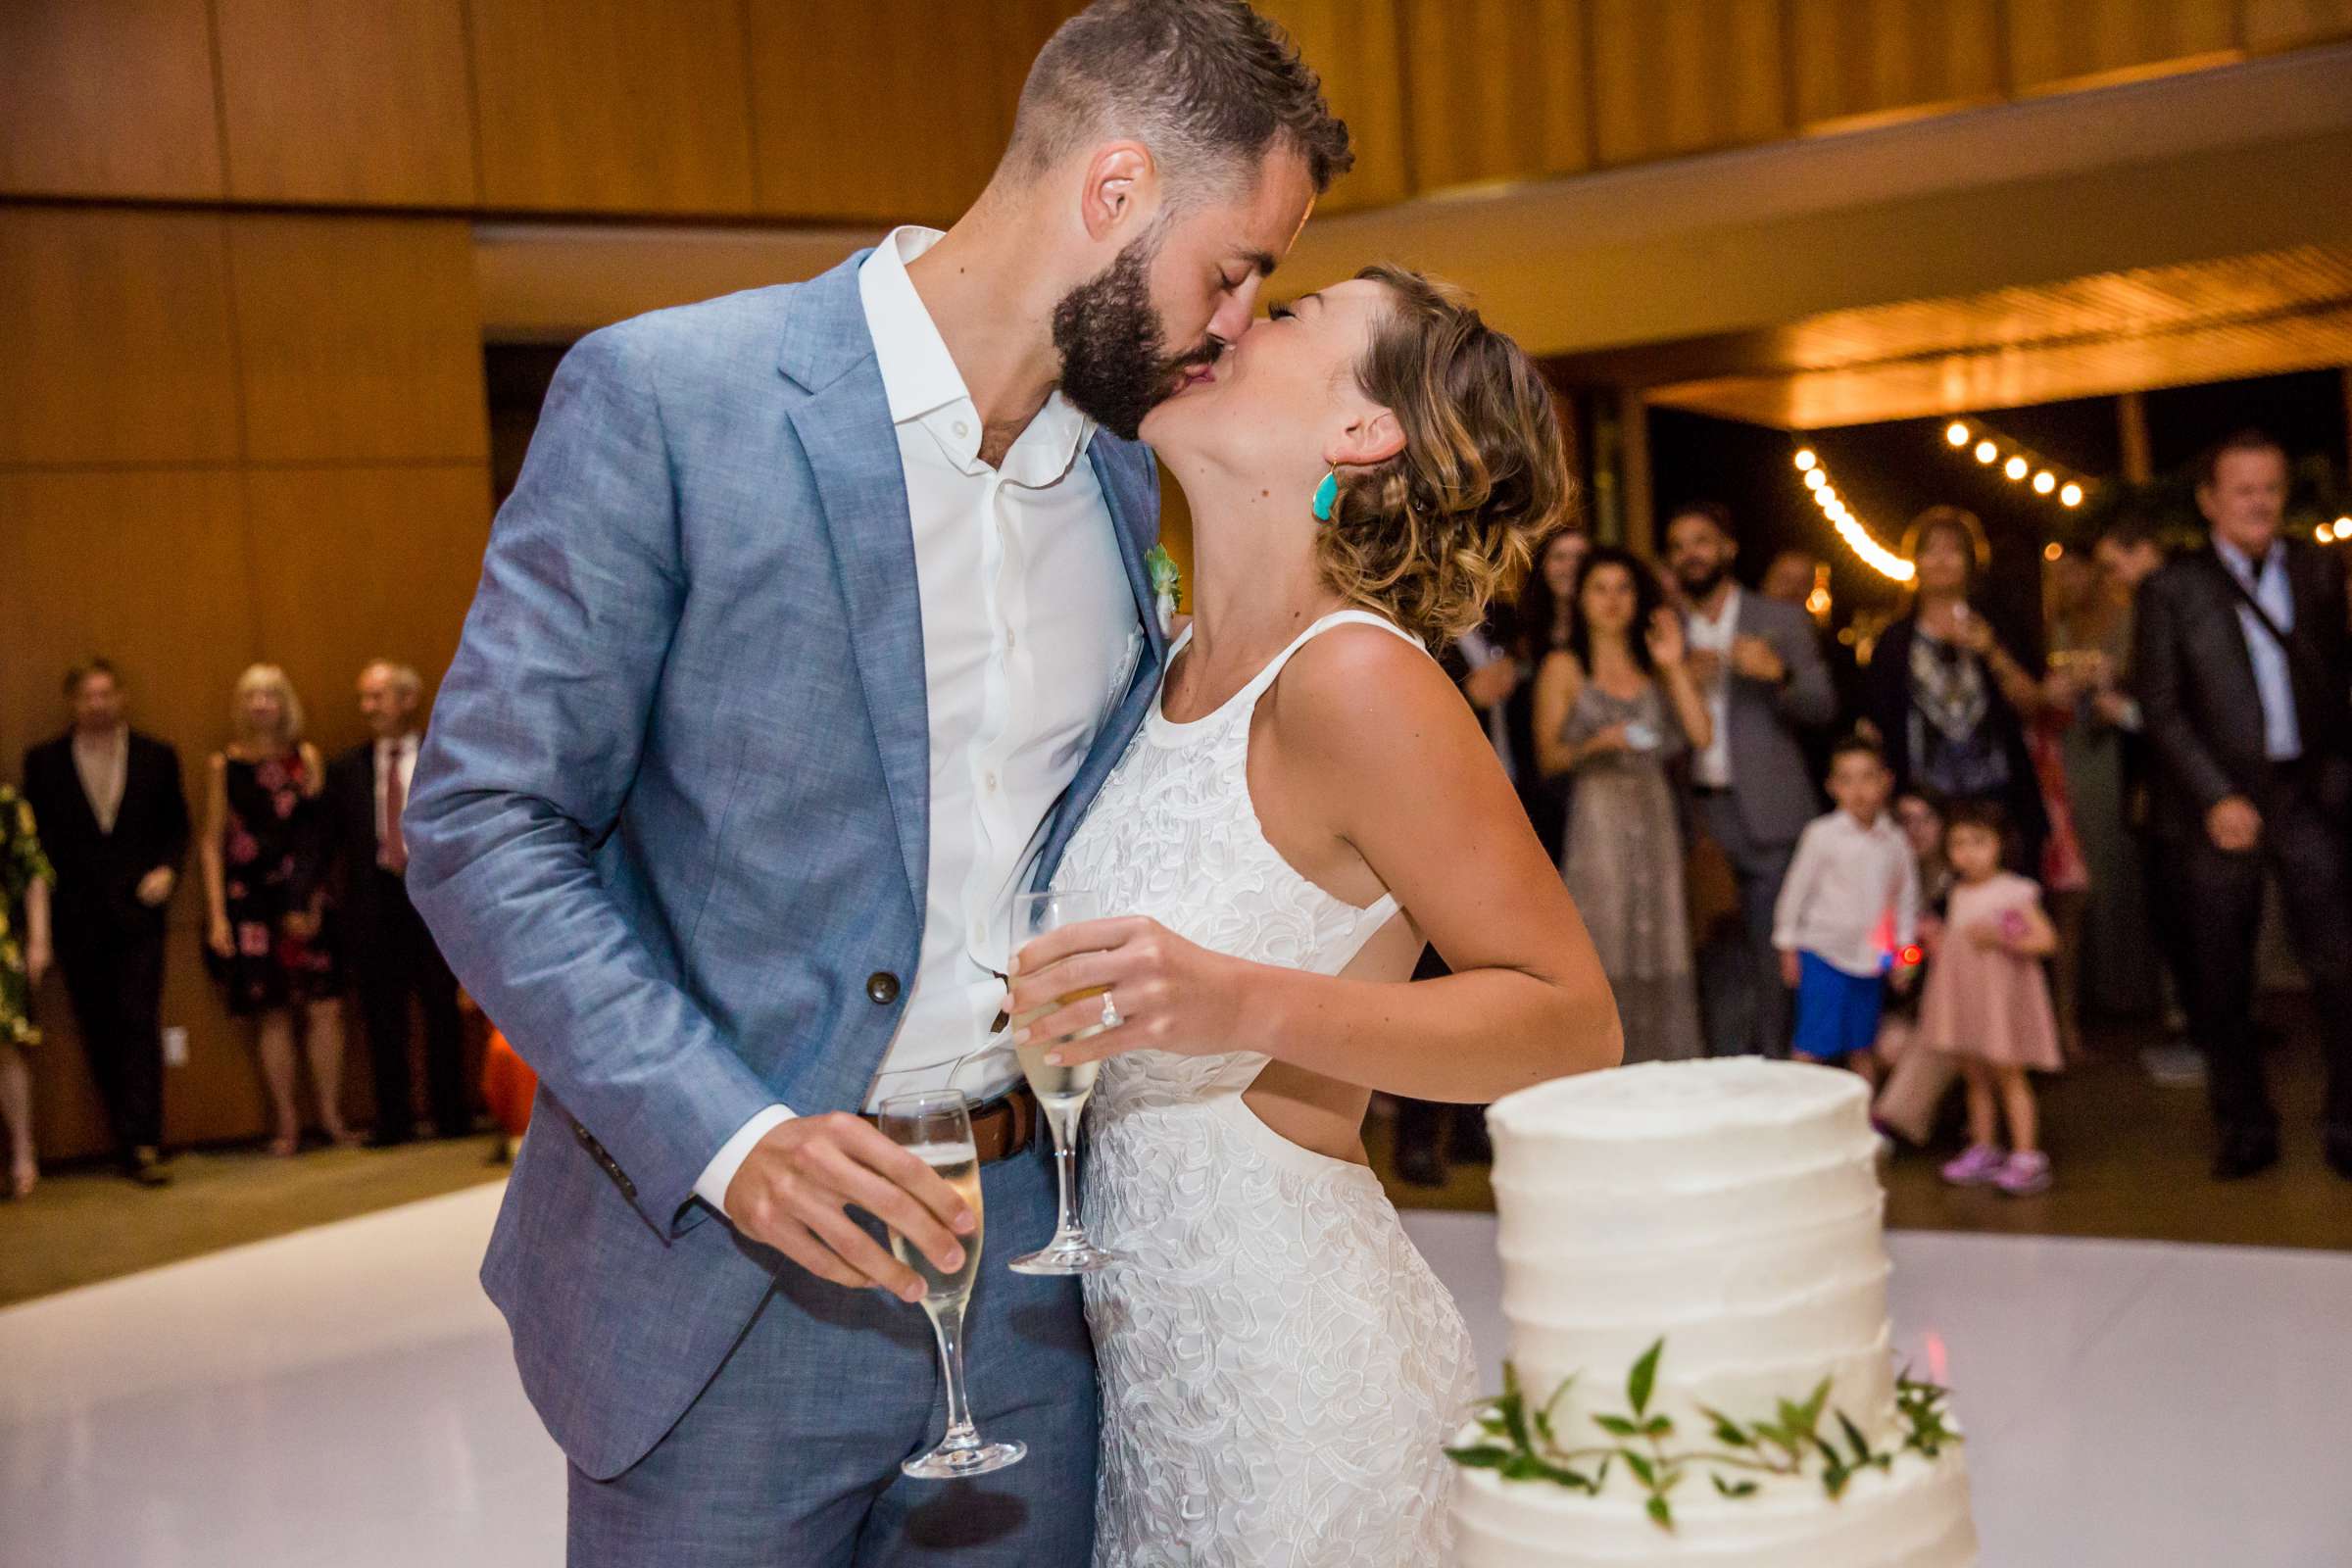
pixel 1120 178
pixel 1374 437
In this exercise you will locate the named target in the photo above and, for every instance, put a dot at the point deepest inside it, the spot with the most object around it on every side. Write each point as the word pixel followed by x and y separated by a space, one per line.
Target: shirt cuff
pixel 717 1176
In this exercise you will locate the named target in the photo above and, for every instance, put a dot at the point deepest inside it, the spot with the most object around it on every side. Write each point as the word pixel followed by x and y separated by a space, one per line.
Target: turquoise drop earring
pixel 1327 496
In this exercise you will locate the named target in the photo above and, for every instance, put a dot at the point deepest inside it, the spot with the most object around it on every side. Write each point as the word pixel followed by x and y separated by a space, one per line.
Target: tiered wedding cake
pixel 1695 1285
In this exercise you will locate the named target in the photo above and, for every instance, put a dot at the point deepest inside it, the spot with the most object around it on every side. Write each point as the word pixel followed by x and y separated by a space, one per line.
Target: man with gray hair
pixel 393 960
pixel 817 617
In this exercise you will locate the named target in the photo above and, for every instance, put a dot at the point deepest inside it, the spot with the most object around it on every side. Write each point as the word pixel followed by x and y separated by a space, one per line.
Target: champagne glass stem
pixel 946 1323
pixel 1063 1122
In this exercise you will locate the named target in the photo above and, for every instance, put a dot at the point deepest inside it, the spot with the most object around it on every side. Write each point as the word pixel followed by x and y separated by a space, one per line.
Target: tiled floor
pixel 342 1399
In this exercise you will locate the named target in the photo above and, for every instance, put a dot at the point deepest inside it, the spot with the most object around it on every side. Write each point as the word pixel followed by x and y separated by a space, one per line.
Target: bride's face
pixel 1282 402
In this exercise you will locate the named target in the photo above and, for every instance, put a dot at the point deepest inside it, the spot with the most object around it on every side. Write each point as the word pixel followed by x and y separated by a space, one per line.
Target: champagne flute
pixel 1062 1091
pixel 935 1126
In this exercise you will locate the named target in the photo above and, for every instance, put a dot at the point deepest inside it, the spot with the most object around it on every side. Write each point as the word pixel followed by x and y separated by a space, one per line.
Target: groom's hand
pixel 793 1192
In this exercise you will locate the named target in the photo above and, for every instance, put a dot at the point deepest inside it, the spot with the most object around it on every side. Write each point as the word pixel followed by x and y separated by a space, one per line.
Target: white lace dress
pixel 1279 1366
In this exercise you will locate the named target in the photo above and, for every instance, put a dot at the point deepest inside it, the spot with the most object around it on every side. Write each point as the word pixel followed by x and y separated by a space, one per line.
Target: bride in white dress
pixel 1309 804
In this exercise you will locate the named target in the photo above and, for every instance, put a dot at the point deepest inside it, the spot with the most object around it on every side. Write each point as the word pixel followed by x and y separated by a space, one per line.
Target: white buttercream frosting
pixel 1730 1207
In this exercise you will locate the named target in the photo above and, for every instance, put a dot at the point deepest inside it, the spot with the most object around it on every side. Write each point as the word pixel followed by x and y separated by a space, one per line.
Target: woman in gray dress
pixel 1615 708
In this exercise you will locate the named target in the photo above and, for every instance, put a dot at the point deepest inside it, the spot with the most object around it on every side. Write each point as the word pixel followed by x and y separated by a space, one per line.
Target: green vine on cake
pixel 1524 1443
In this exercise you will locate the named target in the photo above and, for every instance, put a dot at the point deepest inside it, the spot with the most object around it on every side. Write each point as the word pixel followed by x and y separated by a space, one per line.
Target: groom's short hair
pixel 1209 85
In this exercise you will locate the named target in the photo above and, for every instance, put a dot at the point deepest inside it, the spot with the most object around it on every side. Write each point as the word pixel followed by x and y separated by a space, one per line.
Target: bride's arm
pixel 1399 776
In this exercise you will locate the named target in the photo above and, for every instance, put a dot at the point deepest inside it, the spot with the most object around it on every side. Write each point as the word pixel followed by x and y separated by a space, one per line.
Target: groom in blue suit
pixel 815 621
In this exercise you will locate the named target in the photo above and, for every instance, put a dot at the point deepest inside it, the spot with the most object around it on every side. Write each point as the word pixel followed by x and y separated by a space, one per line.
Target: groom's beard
pixel 1116 367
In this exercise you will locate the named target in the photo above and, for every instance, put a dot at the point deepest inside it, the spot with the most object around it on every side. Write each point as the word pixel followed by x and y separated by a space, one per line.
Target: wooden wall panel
pixel 914 130
pixel 1496 89
pixel 2082 39
pixel 614 105
pixel 346 101
pixel 360 339
pixel 1354 46
pixel 1875 57
pixel 108 98
pixel 354 563
pixel 2293 24
pixel 1674 77
pixel 115 343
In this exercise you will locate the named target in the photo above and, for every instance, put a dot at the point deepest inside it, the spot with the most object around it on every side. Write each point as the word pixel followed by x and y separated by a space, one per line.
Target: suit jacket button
pixel 882 988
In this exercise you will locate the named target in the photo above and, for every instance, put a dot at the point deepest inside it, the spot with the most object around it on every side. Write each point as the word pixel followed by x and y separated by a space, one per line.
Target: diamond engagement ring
pixel 1111 1012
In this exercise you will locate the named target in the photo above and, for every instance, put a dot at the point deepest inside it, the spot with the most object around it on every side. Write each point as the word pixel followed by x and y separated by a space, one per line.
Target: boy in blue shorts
pixel 1847 920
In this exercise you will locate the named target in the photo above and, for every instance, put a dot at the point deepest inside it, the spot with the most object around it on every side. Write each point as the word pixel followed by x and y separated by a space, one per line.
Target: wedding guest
pixel 2128 553
pixel 268 939
pixel 25 954
pixel 1847 925
pixel 1916 1082
pixel 2064 872
pixel 2244 668
pixel 114 825
pixel 1944 695
pixel 1987 1004
pixel 1542 618
pixel 1615 708
pixel 1788 577
pixel 391 956
pixel 1758 662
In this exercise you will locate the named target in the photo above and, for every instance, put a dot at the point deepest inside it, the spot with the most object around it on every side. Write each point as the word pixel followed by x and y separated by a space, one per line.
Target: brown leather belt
pixel 1004 1127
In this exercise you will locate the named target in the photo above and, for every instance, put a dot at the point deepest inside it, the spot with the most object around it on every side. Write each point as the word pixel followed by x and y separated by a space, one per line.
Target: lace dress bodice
pixel 1279 1366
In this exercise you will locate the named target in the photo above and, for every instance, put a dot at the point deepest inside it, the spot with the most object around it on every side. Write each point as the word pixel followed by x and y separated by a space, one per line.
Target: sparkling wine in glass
pixel 1062 1091
pixel 935 1126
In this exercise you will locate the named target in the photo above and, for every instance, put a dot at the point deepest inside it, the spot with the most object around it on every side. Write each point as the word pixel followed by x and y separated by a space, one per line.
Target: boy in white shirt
pixel 1847 919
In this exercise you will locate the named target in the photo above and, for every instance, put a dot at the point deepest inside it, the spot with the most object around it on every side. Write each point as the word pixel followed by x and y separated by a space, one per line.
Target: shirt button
pixel 882 988
pixel 990 779
pixel 962 429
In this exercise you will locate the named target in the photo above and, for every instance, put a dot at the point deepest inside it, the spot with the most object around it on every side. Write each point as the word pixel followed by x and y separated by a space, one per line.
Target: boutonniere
pixel 1167 586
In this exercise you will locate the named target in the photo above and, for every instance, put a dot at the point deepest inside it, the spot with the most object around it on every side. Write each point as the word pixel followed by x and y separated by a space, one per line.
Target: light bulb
pixel 2052 551
pixel 2044 482
pixel 2071 495
pixel 1986 452
pixel 2014 468
pixel 1805 458
pixel 1815 479
pixel 1956 433
pixel 2343 527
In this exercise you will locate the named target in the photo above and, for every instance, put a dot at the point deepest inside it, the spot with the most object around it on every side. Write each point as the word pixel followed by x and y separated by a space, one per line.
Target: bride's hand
pixel 1172 995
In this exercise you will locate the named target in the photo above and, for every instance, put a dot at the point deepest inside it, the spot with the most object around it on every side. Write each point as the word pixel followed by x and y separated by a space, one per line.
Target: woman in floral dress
pixel 24 878
pixel 269 943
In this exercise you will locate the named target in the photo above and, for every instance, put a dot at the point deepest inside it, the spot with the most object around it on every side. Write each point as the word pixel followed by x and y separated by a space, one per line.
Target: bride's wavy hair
pixel 1432 536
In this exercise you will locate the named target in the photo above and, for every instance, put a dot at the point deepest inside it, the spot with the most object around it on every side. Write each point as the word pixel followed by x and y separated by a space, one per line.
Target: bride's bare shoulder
pixel 1358 693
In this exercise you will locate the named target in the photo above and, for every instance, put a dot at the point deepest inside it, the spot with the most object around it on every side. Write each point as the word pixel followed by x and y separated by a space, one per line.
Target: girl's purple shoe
pixel 1980 1166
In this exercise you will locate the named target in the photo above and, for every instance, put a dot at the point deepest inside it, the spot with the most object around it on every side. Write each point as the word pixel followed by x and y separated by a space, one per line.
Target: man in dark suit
pixel 115 822
pixel 2245 687
pixel 1759 663
pixel 391 955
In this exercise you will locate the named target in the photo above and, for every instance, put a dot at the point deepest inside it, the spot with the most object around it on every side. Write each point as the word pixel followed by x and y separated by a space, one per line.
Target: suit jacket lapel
pixel 846 433
pixel 1126 492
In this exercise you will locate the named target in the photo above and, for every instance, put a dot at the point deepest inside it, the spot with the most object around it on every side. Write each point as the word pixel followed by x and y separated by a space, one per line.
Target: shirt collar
pixel 922 383
pixel 2245 564
pixel 1727 613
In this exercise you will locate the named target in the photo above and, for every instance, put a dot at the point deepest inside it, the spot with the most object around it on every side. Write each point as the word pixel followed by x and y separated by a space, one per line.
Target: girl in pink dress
pixel 1987 1003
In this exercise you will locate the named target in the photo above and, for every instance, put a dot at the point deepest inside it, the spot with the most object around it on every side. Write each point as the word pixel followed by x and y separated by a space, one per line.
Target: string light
pixel 2014 462
pixel 2343 527
pixel 1850 527
pixel 2052 551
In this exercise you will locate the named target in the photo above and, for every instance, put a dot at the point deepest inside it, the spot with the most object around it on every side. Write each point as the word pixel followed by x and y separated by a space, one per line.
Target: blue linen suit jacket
pixel 670 822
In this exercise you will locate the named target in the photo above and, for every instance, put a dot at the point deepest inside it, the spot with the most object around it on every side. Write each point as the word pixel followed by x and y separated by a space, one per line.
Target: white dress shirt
pixel 398 754
pixel 2273 680
pixel 105 769
pixel 1030 637
pixel 1846 887
pixel 1713 634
